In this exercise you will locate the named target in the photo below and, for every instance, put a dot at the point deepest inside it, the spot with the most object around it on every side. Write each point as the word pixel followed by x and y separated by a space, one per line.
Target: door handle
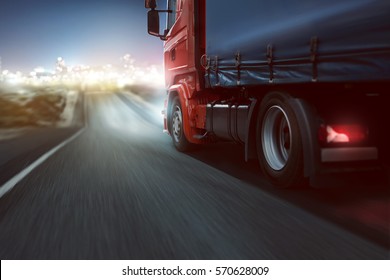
pixel 173 54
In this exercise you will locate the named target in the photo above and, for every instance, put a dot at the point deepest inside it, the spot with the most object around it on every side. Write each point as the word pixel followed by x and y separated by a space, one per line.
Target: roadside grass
pixel 31 106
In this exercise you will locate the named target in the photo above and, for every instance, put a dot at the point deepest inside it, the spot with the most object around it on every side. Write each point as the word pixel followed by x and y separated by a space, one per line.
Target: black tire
pixel 177 130
pixel 279 142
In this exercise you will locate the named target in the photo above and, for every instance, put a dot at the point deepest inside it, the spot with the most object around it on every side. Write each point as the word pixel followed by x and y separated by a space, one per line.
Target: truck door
pixel 176 54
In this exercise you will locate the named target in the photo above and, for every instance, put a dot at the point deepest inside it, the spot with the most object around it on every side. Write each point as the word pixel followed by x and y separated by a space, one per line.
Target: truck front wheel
pixel 177 127
pixel 279 142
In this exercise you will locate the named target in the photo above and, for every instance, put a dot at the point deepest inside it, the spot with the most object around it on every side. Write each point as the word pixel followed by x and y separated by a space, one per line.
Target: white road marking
pixel 18 177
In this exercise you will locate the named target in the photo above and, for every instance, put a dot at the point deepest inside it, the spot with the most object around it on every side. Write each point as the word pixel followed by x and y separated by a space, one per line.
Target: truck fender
pixel 181 91
pixel 308 126
pixel 250 137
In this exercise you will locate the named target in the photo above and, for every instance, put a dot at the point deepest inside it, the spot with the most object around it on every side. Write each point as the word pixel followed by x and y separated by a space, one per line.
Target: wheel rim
pixel 177 123
pixel 276 138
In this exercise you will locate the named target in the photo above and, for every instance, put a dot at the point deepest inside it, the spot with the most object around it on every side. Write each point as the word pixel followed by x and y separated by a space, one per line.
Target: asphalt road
pixel 121 191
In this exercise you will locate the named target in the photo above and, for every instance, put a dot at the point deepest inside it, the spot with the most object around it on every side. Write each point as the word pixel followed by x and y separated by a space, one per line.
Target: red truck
pixel 302 84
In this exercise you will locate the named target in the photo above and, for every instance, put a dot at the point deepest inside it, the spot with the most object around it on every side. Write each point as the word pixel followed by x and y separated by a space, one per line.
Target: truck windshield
pixel 172 5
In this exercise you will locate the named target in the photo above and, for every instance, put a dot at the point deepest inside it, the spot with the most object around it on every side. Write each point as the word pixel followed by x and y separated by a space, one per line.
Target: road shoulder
pixel 20 147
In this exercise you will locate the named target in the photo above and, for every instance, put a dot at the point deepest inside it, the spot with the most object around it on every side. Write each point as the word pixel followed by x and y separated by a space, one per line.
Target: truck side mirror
pixel 154 23
pixel 150 4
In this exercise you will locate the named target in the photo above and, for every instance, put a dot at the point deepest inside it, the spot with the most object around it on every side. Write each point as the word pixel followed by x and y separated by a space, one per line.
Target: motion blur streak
pixel 121 191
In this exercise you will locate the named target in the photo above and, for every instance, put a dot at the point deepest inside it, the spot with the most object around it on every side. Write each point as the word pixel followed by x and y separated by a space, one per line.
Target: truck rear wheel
pixel 279 142
pixel 177 127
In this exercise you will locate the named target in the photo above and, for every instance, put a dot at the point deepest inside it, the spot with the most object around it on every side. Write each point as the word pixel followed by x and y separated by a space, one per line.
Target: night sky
pixel 90 32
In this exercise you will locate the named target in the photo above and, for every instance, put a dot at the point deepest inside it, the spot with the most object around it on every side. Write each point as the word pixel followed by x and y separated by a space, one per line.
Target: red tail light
pixel 345 133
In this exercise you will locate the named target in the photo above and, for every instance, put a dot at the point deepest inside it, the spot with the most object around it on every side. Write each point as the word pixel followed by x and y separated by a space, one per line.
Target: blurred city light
pixel 120 75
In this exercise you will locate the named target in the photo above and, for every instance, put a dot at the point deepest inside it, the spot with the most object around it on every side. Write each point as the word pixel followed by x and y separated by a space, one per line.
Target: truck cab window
pixel 172 5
